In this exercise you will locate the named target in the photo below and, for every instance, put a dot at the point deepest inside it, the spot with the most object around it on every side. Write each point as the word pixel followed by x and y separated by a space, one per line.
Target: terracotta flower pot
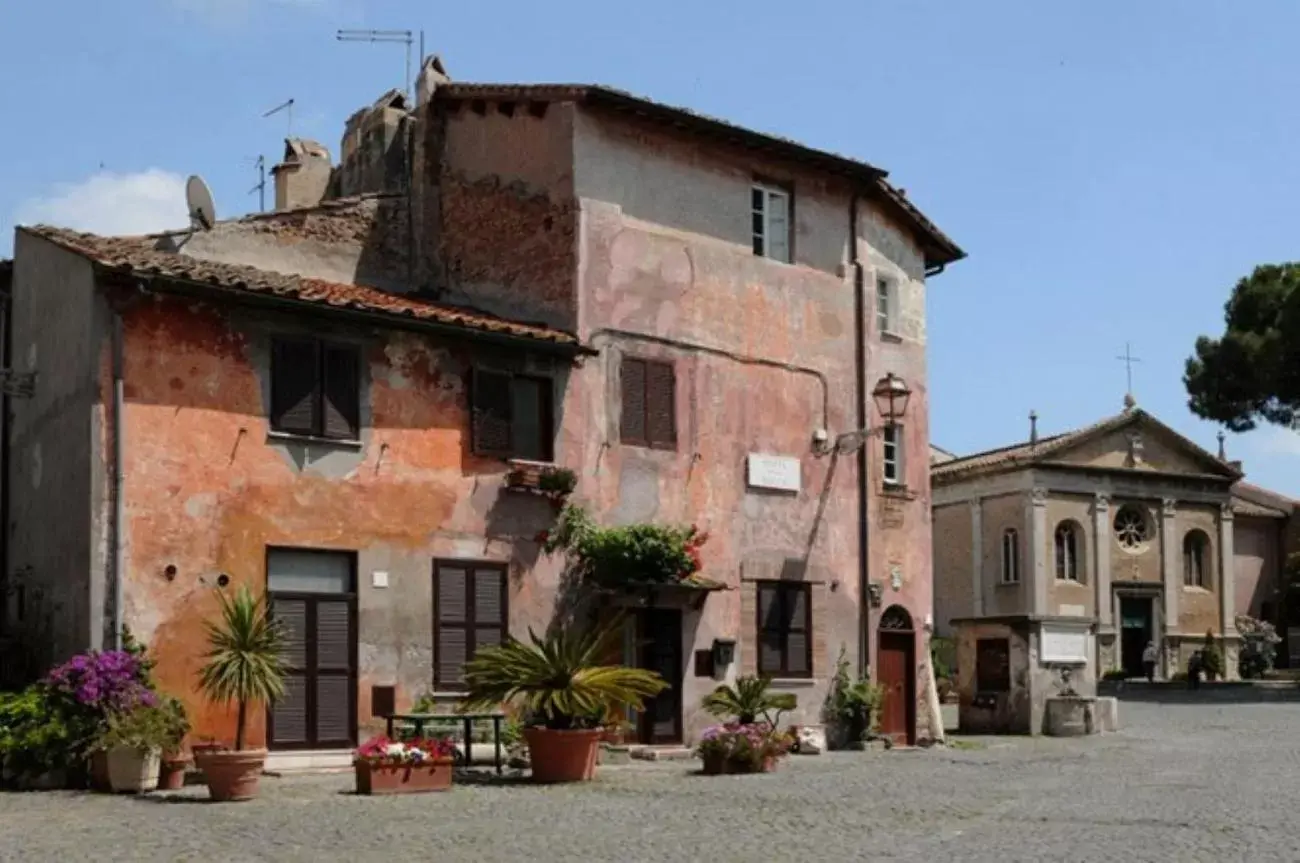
pixel 233 775
pixel 99 771
pixel 171 775
pixel 716 764
pixel 132 770
pixel 563 756
pixel 379 778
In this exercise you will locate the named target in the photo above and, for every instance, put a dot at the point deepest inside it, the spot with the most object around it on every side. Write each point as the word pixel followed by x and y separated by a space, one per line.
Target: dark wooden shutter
pixel 491 400
pixel 769 630
pixel 489 607
pixel 334 687
pixel 294 386
pixel 451 620
pixel 632 382
pixel 531 430
pixel 342 393
pixel 798 639
pixel 289 714
pixel 661 405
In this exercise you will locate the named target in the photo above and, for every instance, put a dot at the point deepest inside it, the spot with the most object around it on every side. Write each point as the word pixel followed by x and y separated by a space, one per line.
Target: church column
pixel 1171 552
pixel 977 556
pixel 1101 558
pixel 1227 572
pixel 1038 551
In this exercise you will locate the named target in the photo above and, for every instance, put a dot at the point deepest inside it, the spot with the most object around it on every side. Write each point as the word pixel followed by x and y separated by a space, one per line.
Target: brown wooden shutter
pixel 451 619
pixel 490 400
pixel 342 393
pixel 798 640
pixel 632 378
pixel 334 685
pixel 769 630
pixel 294 386
pixel 489 607
pixel 289 713
pixel 661 405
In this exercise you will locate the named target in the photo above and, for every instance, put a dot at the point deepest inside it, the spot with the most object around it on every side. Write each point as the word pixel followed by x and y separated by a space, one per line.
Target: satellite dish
pixel 203 213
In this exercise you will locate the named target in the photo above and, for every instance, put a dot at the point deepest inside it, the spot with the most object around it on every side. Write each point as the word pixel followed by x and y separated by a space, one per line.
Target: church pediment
pixel 1138 441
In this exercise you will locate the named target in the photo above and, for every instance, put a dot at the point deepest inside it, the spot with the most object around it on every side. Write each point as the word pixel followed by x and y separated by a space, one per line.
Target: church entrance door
pixel 1137 627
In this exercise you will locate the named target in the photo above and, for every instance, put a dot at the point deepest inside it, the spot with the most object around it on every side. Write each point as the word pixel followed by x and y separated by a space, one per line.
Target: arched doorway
pixel 896 672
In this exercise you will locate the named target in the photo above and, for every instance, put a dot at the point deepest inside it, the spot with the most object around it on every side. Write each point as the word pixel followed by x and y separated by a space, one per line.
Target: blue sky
pixel 1111 167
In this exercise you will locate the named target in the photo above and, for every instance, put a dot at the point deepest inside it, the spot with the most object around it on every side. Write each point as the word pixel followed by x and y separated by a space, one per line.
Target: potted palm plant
pixel 243 666
pixel 560 684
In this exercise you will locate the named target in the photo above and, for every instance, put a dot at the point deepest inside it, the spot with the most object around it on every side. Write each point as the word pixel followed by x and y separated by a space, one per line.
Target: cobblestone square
pixel 1179 783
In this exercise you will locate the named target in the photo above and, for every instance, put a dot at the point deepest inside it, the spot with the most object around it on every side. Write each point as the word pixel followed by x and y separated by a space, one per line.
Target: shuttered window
pixel 511 415
pixel 315 389
pixel 649 396
pixel 469 612
pixel 784 629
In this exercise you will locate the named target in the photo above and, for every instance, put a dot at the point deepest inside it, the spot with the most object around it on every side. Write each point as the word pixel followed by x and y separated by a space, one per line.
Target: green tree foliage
pixel 1252 373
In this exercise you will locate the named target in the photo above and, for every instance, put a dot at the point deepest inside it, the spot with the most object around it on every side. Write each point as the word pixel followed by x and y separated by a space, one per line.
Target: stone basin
pixel 1070 716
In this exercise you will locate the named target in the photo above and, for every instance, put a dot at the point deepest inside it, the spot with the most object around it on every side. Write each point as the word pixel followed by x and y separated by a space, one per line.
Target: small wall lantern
pixel 724 651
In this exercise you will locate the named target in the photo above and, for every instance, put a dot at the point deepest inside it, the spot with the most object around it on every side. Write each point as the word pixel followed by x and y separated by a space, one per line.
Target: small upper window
pixel 1010 556
pixel 771 220
pixel 884 305
pixel 892 454
pixel 512 415
pixel 1067 552
pixel 315 389
pixel 1195 548
pixel 649 392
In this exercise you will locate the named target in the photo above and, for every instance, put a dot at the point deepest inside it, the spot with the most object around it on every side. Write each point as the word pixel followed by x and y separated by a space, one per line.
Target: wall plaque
pixel 775 472
pixel 1064 645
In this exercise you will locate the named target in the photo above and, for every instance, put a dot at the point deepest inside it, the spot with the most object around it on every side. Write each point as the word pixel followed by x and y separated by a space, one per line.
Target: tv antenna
pixel 260 188
pixel 400 37
pixel 198 198
pixel 287 107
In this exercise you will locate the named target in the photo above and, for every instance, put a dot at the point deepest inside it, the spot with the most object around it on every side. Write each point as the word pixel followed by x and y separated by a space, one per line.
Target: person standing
pixel 1149 658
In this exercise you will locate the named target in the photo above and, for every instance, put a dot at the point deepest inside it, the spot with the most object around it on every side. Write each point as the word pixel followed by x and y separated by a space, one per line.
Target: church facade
pixel 1124 526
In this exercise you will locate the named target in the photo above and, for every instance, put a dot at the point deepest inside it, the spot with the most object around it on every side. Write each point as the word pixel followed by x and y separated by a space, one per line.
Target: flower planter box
pixel 381 778
pixel 719 765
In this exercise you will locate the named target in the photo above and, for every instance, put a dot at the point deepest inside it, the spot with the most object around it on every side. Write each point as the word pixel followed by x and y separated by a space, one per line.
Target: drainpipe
pixel 860 399
pixel 119 507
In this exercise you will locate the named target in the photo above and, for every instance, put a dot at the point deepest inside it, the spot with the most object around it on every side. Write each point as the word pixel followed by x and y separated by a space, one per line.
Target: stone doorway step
pixel 308 761
pixel 662 753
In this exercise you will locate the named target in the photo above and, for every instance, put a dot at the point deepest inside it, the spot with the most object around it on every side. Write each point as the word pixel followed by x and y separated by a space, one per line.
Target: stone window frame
pixel 893 457
pixel 886 304
pixel 1132 528
pixel 763 193
pixel 1068 556
pixel 1198 560
pixel 1010 573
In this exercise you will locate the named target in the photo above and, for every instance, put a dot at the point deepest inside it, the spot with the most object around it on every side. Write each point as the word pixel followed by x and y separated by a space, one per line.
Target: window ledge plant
pixel 548 480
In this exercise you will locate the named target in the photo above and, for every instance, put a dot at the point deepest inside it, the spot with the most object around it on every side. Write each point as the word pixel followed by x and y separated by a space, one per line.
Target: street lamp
pixel 891 396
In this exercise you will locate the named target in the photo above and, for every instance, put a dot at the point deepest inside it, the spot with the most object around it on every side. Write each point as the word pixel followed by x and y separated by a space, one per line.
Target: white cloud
pixel 111 204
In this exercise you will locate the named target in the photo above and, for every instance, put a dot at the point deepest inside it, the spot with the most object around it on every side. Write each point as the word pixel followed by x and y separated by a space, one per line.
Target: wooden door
pixel 659 649
pixel 1136 629
pixel 894 670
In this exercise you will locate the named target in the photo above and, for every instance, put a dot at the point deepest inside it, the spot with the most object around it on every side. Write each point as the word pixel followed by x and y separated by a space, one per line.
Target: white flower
pixel 395 750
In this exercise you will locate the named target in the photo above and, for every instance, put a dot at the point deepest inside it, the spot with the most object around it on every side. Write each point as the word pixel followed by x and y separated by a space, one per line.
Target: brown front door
pixel 313 599
pixel 894 666
pixel 659 649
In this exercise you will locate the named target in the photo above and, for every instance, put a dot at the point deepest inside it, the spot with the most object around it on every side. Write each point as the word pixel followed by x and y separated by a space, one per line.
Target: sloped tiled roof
pixel 139 256
pixel 1026 452
pixel 1249 499
pixel 939 248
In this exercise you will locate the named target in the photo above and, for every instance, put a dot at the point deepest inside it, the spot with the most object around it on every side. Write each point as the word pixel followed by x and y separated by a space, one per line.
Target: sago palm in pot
pixel 243 666
pixel 562 685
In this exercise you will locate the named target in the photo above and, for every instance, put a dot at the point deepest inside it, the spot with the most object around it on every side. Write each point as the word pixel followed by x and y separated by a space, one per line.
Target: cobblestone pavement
pixel 1180 783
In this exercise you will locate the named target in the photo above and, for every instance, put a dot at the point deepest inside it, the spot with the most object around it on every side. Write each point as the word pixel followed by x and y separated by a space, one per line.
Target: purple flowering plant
pixel 113 681
pixel 748 742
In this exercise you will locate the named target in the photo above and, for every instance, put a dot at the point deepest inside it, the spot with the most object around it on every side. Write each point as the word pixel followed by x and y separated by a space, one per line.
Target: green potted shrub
pixel 134 742
pixel 243 666
pixel 1212 657
pixel 175 762
pixel 561 685
pixel 749 700
pixel 852 706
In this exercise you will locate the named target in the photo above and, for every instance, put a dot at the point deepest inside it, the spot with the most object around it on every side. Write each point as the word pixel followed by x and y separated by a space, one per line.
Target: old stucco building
pixel 327 402
pixel 1124 532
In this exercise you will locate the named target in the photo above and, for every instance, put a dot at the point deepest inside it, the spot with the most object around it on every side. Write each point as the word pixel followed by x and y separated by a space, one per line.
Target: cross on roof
pixel 1128 360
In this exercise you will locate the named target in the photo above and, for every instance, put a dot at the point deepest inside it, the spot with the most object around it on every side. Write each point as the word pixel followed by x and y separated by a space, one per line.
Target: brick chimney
pixel 302 178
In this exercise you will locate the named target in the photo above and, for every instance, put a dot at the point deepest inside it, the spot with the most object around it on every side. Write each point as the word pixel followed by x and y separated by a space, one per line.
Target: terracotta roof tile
pixel 1250 499
pixel 137 255
pixel 940 248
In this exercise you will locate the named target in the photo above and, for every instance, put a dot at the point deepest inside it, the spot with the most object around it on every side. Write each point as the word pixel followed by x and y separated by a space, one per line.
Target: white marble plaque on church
pixel 779 473
pixel 1064 645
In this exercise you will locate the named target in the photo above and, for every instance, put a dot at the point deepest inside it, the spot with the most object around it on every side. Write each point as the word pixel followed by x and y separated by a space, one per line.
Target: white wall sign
pixel 1065 645
pixel 773 471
